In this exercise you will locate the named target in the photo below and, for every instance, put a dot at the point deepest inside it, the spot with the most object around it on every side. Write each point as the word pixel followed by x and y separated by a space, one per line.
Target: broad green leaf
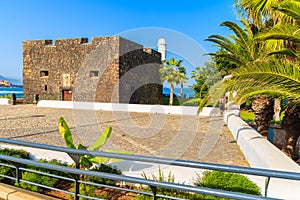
pixel 102 139
pixel 99 160
pixel 65 132
pixel 85 162
pixel 117 151
pixel 80 146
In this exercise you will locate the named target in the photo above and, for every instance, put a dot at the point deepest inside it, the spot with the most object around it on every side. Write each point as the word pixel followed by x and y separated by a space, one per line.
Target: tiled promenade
pixel 172 136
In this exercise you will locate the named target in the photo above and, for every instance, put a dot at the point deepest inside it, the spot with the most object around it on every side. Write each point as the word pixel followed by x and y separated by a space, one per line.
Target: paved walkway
pixel 172 136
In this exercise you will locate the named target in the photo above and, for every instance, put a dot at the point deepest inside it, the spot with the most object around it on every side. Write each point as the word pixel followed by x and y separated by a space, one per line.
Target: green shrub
pixel 165 101
pixel 84 189
pixel 89 190
pixel 192 102
pixel 15 153
pixel 161 177
pixel 11 152
pixel 106 169
pixel 6 96
pixel 41 179
pixel 170 192
pixel 228 181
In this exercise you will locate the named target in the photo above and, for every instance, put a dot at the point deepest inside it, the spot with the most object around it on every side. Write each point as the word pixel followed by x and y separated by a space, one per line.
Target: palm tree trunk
pixel 171 95
pixel 290 123
pixel 263 108
pixel 181 90
pixel 277 110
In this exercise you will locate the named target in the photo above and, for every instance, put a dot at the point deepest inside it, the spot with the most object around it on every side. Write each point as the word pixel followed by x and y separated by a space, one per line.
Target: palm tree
pixel 289 34
pixel 243 49
pixel 278 79
pixel 276 75
pixel 183 79
pixel 260 12
pixel 169 72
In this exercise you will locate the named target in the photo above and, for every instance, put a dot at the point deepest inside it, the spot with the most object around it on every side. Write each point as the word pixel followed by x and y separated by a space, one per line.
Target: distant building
pixel 4 83
pixel 74 69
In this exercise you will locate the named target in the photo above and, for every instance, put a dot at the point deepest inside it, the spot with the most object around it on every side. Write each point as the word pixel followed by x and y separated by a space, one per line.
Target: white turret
pixel 162 46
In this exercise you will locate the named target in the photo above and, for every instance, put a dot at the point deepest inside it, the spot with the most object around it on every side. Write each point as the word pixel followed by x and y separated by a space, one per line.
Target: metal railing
pixel 18 164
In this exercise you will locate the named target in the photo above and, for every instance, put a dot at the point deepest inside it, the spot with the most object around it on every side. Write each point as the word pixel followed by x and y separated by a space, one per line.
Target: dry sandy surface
pixel 173 136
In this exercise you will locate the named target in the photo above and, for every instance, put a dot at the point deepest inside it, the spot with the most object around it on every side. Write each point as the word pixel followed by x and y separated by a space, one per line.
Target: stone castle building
pixel 108 69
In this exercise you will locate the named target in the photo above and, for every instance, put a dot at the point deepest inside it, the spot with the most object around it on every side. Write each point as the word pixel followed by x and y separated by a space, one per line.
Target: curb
pixel 8 192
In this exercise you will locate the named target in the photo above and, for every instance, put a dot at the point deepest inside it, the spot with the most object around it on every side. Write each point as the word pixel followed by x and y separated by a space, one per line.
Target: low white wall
pixel 4 101
pixel 178 110
pixel 260 153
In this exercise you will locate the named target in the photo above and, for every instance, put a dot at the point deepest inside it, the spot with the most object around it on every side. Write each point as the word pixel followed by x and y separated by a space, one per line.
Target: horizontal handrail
pixel 153 183
pixel 167 161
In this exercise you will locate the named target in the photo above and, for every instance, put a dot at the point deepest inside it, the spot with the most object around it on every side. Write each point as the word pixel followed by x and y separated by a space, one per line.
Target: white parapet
pixel 260 153
pixel 4 101
pixel 176 110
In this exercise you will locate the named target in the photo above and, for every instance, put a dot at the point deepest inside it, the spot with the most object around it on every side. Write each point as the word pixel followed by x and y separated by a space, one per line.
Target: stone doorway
pixel 67 95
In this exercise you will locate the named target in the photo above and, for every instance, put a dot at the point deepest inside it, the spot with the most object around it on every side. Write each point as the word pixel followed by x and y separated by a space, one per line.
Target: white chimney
pixel 162 46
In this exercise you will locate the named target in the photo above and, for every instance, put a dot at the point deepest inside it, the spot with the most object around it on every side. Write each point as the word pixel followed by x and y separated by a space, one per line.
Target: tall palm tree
pixel 278 79
pixel 169 72
pixel 289 34
pixel 260 12
pixel 243 49
pixel 183 79
pixel 276 76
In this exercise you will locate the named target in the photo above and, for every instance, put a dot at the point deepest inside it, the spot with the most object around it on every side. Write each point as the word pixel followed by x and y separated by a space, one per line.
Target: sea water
pixel 187 92
pixel 10 90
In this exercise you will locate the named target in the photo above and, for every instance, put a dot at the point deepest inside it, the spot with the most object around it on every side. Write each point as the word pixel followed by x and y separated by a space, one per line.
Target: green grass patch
pixel 247 116
pixel 181 102
pixel 191 102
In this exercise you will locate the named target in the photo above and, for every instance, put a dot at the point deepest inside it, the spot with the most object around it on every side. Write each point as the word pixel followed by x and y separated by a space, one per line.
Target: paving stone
pixel 172 136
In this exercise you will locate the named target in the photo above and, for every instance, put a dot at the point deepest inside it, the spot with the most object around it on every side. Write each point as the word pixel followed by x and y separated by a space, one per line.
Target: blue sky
pixel 36 19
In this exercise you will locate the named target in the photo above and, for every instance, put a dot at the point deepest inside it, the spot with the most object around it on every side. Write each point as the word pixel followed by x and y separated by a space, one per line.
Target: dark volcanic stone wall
pixel 139 74
pixel 92 72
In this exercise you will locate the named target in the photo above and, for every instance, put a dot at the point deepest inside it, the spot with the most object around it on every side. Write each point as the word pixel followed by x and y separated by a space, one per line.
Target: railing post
pixel 154 190
pixel 18 171
pixel 76 177
pixel 76 186
pixel 267 185
pixel 18 174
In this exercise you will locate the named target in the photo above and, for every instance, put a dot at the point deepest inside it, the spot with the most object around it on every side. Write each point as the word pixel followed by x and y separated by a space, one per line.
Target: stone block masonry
pixel 108 69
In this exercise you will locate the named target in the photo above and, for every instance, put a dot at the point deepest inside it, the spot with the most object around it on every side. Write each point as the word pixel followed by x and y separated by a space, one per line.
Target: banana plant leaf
pixel 65 132
pixel 117 151
pixel 101 139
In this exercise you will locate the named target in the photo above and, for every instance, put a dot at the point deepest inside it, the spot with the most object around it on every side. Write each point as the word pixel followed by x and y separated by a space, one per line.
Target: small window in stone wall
pixel 44 73
pixel 46 88
pixel 94 74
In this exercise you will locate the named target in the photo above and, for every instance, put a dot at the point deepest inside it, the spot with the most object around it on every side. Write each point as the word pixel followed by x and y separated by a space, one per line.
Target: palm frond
pixel 287 52
pixel 214 94
pixel 290 8
pixel 230 57
pixel 281 32
pixel 281 94
pixel 227 44
pixel 243 37
pixel 273 78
